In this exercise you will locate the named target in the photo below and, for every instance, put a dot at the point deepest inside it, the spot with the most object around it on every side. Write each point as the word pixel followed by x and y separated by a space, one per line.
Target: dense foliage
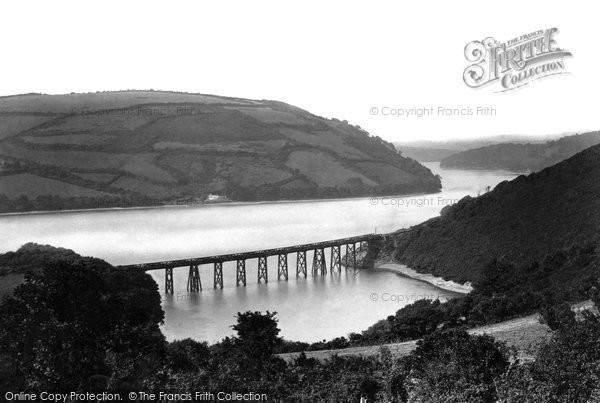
pixel 521 221
pixel 82 325
pixel 32 256
pixel 54 203
pixel 566 368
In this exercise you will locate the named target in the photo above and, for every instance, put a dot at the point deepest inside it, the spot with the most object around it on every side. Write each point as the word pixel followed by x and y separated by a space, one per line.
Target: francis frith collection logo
pixel 514 63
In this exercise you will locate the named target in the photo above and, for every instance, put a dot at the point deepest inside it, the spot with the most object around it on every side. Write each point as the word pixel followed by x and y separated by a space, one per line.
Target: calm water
pixel 309 309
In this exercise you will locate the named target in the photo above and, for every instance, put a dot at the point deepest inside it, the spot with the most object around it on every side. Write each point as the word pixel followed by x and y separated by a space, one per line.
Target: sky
pixel 337 59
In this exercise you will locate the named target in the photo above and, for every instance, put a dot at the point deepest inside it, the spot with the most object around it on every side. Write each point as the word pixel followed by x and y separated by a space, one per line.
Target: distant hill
pixel 434 151
pixel 521 157
pixel 521 221
pixel 462 144
pixel 424 154
pixel 134 148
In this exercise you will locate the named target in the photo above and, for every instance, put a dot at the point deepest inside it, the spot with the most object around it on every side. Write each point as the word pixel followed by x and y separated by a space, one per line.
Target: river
pixel 310 309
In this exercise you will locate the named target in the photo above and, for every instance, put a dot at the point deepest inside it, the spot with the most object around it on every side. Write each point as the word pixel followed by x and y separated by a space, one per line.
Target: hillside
pixel 462 144
pixel 521 157
pixel 520 221
pixel 425 154
pixel 134 148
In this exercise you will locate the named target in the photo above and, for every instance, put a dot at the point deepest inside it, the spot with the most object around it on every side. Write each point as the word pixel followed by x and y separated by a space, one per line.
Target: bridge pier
pixel 263 273
pixel 336 264
pixel 194 283
pixel 282 267
pixel 350 255
pixel 319 263
pixel 301 263
pixel 218 277
pixel 168 280
pixel 241 273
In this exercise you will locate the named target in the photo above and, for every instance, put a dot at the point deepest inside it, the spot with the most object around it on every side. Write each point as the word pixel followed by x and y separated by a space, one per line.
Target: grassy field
pixel 11 125
pixel 323 169
pixel 525 334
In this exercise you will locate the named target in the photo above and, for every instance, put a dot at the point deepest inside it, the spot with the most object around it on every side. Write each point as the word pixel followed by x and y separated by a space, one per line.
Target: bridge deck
pixel 251 255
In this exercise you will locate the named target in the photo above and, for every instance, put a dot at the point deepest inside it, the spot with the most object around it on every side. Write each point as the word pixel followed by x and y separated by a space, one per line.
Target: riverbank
pixel 438 282
pixel 224 203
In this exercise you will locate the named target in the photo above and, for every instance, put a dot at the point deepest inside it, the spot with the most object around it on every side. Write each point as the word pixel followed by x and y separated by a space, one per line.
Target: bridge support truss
pixel 168 280
pixel 350 256
pixel 263 272
pixel 301 263
pixel 336 263
pixel 282 267
pixel 218 277
pixel 241 273
pixel 194 283
pixel 319 263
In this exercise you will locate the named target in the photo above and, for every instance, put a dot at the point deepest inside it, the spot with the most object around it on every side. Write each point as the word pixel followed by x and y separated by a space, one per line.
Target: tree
pixel 247 360
pixel 566 367
pixel 78 321
pixel 558 316
pixel 187 355
pixel 257 334
pixel 569 364
pixel 453 366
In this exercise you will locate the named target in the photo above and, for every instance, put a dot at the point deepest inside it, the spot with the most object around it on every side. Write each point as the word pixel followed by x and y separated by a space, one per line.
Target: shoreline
pixel 231 203
pixel 438 282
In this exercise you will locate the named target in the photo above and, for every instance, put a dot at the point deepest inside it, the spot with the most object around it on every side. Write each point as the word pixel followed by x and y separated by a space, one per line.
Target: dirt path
pixel 525 334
